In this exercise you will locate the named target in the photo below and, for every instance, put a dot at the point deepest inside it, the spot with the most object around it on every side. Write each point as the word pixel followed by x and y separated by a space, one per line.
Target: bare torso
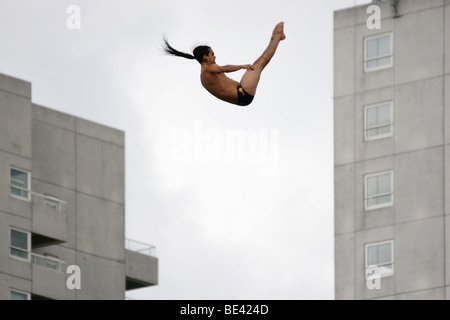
pixel 219 85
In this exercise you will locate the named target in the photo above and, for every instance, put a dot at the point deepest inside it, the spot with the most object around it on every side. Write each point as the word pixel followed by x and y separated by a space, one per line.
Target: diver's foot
pixel 279 31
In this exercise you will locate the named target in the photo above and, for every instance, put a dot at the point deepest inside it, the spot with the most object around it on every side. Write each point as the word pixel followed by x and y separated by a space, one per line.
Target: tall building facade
pixel 392 150
pixel 62 205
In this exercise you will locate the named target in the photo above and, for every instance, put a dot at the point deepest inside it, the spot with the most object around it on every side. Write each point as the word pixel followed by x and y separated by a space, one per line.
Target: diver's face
pixel 211 56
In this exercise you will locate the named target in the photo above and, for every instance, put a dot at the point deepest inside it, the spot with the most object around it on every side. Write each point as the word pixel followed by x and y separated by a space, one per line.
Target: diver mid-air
pixel 213 76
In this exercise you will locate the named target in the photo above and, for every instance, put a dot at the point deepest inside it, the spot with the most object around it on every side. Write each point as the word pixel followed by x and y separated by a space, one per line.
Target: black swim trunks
pixel 243 97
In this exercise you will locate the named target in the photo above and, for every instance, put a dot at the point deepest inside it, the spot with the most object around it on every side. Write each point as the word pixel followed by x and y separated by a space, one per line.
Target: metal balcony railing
pixel 140 247
pixel 47 262
pixel 48 201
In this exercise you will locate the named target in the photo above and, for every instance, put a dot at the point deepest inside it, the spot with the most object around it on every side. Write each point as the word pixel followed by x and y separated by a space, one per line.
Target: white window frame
pixel 391 55
pixel 366 198
pixel 19 292
pixel 28 198
pixel 28 259
pixel 391 124
pixel 392 262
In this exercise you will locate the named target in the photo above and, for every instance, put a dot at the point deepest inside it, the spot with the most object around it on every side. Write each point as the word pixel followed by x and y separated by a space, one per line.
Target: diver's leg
pixel 250 79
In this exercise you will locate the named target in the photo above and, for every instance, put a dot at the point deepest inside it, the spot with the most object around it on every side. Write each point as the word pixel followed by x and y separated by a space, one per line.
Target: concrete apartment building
pixel 62 204
pixel 392 151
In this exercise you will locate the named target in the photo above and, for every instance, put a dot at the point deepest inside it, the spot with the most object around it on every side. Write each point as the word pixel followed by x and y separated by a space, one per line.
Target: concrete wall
pixel 15 122
pixel 49 222
pixel 82 163
pixel 79 162
pixel 142 267
pixel 50 284
pixel 15 150
pixel 417 153
pixel 100 278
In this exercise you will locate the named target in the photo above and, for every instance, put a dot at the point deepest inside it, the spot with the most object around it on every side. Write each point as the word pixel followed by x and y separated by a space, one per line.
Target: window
pixel 379 120
pixel 379 52
pixel 18 295
pixel 20 244
pixel 19 184
pixel 379 190
pixel 380 255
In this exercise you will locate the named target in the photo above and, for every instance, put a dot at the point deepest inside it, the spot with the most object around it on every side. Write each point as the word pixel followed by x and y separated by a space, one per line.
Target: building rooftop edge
pixel 22 88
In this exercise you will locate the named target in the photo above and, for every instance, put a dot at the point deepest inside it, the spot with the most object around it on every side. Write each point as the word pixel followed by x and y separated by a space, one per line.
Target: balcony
pixel 48 273
pixel 49 202
pixel 49 278
pixel 48 262
pixel 49 220
pixel 141 265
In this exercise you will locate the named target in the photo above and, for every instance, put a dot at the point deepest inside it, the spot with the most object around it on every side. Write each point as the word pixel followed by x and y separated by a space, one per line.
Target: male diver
pixel 213 76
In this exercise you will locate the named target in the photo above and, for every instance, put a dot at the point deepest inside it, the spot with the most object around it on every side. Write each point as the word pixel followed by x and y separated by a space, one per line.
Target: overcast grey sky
pixel 222 230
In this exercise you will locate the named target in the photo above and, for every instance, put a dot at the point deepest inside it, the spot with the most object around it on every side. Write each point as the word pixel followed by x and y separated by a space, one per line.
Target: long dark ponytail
pixel 199 52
